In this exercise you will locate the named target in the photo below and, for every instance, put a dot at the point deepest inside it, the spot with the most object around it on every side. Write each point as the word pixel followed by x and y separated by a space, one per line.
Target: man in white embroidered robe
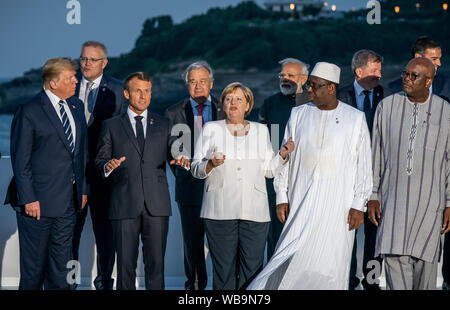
pixel 322 192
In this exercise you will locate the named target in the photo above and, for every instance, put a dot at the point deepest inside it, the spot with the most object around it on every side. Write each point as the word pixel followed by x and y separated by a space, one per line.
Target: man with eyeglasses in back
pixel 103 98
pixel 410 201
pixel 275 111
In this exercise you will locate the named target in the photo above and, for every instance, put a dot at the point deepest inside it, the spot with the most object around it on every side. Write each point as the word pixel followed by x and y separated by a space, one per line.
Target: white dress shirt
pixel 94 89
pixel 55 103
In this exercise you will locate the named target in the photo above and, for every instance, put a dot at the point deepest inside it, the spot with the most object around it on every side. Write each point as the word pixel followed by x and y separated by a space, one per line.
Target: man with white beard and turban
pixel 275 113
pixel 321 194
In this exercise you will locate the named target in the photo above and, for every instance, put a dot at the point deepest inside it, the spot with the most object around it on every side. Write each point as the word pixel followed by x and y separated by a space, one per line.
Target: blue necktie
pixel 66 125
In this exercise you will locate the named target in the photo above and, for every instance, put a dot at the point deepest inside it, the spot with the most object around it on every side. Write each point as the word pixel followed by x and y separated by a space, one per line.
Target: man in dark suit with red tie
pixel 103 98
pixel 132 152
pixel 364 94
pixel 186 120
pixel 49 156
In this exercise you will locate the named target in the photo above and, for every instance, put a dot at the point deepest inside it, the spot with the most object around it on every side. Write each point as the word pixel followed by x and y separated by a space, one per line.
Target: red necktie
pixel 200 108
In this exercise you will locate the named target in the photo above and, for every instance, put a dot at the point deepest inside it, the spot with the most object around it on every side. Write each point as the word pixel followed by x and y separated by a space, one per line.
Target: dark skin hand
pixel 374 211
pixel 282 212
pixel 355 218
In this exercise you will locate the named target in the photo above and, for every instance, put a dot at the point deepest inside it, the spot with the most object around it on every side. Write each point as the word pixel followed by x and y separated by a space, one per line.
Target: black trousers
pixel 153 232
pixel 237 251
pixel 370 236
pixel 194 247
pixel 98 203
pixel 45 249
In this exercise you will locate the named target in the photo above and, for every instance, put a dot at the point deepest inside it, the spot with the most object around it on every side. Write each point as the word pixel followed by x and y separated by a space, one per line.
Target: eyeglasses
pixel 313 86
pixel 412 76
pixel 93 60
pixel 288 75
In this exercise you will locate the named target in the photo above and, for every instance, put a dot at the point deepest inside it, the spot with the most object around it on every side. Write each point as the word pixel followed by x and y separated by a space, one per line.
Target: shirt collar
pixel 194 103
pixel 359 89
pixel 131 114
pixel 53 98
pixel 96 81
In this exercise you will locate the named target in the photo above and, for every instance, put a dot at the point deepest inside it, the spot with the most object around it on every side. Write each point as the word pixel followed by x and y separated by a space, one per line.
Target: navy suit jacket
pixel 441 86
pixel 42 162
pixel 110 102
pixel 347 95
pixel 189 190
pixel 141 180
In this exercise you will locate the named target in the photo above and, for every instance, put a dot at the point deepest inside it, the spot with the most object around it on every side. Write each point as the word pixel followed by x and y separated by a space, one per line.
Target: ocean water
pixel 5 128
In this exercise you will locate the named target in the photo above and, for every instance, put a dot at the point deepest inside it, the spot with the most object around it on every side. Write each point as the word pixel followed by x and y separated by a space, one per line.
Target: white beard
pixel 288 91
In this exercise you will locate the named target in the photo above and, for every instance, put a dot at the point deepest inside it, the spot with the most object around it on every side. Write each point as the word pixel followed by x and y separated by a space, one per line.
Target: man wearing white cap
pixel 322 192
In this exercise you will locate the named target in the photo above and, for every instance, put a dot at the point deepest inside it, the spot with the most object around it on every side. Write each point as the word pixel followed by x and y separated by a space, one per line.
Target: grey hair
pixel 286 61
pixel 362 57
pixel 197 65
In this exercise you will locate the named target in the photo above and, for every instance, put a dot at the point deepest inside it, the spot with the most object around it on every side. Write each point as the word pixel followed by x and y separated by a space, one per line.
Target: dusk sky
pixel 33 31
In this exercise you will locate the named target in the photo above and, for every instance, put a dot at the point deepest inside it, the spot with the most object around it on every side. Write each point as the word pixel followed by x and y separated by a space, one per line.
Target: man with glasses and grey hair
pixel 364 94
pixel 189 115
pixel 103 98
pixel 275 113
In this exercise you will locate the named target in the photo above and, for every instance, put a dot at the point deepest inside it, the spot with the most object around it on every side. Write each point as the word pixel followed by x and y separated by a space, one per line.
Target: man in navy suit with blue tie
pixel 49 156
pixel 364 94
pixel 103 98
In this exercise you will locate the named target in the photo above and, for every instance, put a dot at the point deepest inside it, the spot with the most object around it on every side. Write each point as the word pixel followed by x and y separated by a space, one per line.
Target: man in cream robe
pixel 322 191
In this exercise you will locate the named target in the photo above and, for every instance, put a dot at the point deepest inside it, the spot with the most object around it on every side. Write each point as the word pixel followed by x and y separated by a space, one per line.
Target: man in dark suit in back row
pixel 275 111
pixel 364 94
pixel 49 156
pixel 188 117
pixel 132 152
pixel 103 98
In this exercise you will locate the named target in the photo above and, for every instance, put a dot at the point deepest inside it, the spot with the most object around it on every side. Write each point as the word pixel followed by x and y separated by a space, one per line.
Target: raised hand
pixel 113 164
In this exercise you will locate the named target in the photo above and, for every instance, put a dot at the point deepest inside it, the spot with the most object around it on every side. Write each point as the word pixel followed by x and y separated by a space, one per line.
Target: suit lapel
pixel 129 131
pixel 352 97
pixel 150 132
pixel 54 119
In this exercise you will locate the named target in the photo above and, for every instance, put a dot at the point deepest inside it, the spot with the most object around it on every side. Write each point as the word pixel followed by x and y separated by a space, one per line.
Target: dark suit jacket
pixel 110 102
pixel 189 190
pixel 140 181
pixel 42 162
pixel 347 95
pixel 441 86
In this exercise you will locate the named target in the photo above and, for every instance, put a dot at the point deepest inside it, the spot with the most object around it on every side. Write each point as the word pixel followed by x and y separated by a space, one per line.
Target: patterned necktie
pixel 367 109
pixel 88 101
pixel 140 132
pixel 200 108
pixel 66 125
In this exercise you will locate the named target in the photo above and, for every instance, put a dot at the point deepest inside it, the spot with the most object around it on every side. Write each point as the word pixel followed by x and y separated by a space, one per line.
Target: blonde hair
pixel 247 93
pixel 54 67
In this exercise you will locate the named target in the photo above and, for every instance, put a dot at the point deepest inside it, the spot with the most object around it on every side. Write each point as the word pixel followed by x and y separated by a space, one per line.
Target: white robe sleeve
pixel 363 182
pixel 202 154
pixel 281 180
pixel 273 163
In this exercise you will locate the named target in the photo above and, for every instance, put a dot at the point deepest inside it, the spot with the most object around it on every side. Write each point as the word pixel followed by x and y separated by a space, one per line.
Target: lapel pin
pixel 337 120
pixel 103 89
pixel 151 121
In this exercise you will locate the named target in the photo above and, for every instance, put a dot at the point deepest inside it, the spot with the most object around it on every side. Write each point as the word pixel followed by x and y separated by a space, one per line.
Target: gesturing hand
pixel 114 163
pixel 217 158
pixel 287 148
